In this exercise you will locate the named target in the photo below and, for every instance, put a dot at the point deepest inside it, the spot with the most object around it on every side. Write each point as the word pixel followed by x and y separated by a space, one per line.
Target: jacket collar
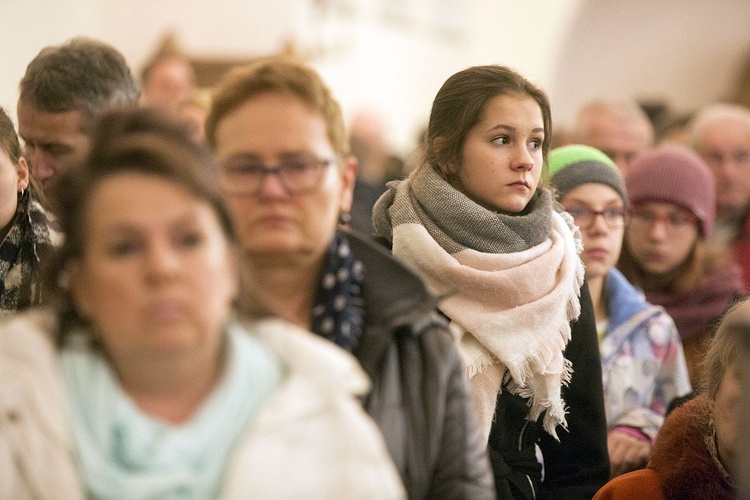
pixel 394 296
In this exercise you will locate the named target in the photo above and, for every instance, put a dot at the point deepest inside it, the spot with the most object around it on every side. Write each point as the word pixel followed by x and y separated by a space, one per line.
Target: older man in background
pixel 619 128
pixel 720 133
pixel 64 89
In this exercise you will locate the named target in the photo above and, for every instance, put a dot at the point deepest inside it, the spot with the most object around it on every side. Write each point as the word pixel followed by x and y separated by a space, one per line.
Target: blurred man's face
pixel 54 141
pixel 725 145
pixel 620 138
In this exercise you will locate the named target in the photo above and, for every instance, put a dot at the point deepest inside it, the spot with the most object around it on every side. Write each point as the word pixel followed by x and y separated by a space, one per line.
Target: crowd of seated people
pixel 189 309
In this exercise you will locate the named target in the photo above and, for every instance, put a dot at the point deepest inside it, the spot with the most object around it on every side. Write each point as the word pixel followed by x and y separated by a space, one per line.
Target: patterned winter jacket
pixel 643 365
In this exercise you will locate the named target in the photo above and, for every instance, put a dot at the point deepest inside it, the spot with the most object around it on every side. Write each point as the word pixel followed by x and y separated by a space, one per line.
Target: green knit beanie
pixel 575 165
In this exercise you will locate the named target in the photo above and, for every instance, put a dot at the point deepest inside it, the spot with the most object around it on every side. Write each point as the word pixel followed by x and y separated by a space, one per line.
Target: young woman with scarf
pixel 666 253
pixel 27 234
pixel 475 223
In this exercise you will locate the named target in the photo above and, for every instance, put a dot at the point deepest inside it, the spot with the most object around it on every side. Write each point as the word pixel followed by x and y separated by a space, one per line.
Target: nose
pixel 598 225
pixel 271 186
pixel 523 159
pixel 42 166
pixel 162 262
pixel 658 229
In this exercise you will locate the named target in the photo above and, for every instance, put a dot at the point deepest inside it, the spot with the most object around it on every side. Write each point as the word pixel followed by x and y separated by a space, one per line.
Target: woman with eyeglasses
pixel 666 253
pixel 643 366
pixel 476 222
pixel 286 170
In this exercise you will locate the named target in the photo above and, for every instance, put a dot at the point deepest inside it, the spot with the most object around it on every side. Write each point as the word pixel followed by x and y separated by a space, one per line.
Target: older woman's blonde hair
pixel 726 346
pixel 278 74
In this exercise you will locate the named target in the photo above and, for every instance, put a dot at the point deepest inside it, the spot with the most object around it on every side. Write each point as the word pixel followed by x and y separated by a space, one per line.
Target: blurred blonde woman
pixel 144 384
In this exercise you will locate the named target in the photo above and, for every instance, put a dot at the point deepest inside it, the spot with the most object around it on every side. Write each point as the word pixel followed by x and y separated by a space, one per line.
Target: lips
pixel 520 184
pixel 163 310
pixel 597 253
pixel 653 257
pixel 273 219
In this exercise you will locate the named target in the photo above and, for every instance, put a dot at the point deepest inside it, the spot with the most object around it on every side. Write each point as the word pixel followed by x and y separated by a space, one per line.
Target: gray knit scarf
pixel 456 222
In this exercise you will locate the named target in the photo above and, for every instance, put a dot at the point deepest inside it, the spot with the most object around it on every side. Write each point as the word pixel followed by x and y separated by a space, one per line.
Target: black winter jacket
pixel 420 398
pixel 578 465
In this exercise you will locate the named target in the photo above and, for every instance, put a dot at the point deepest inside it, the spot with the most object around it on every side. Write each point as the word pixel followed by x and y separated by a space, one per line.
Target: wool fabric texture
pixel 510 284
pixel 674 174
pixel 31 237
pixel 696 311
pixel 574 165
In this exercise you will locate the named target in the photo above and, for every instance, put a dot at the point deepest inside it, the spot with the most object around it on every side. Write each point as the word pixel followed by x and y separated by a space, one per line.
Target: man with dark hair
pixel 64 89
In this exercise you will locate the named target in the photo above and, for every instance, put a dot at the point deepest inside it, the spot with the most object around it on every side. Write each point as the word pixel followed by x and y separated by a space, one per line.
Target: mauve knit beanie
pixel 674 174
pixel 574 165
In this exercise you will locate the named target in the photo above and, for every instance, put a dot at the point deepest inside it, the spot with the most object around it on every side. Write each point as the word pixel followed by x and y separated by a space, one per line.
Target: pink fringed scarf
pixel 510 311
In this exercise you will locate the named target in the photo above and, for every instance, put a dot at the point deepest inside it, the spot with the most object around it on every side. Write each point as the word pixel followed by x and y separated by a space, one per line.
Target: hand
pixel 626 453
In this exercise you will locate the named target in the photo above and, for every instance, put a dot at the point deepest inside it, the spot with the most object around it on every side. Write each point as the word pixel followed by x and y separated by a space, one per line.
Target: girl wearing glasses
pixel 643 366
pixel 475 223
pixel 665 253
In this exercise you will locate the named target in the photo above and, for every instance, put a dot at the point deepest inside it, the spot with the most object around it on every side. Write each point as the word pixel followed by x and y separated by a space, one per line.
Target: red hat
pixel 674 174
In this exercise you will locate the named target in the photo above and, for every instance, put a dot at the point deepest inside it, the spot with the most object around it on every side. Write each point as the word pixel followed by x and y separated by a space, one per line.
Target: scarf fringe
pixel 480 364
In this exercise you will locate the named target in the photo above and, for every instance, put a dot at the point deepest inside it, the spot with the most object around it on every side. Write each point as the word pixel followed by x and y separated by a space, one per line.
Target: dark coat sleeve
pixel 577 466
pixel 462 469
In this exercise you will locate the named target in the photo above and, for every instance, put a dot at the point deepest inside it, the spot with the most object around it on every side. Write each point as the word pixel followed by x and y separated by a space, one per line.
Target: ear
pixel 22 170
pixel 447 166
pixel 78 289
pixel 348 177
pixel 236 272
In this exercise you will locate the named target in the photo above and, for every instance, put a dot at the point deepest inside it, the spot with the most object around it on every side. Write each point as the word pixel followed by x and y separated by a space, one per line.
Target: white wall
pixel 389 54
pixel 395 54
pixel 687 52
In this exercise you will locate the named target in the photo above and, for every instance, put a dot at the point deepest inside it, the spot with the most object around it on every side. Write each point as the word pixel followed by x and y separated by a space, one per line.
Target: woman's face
pixel 502 155
pixel 661 236
pixel 273 223
pixel 602 240
pixel 157 277
pixel 13 178
pixel 726 411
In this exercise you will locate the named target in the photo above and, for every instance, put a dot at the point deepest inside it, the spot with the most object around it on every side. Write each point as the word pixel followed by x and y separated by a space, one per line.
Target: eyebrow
pixel 513 129
pixel 607 203
pixel 126 227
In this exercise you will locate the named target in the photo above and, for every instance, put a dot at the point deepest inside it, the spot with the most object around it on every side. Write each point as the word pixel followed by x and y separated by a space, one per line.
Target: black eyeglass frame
pixel 320 164
pixel 624 215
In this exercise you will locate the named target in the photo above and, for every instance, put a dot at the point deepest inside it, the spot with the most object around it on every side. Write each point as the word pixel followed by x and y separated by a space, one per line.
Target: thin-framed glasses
pixel 298 174
pixel 584 217
pixel 675 221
